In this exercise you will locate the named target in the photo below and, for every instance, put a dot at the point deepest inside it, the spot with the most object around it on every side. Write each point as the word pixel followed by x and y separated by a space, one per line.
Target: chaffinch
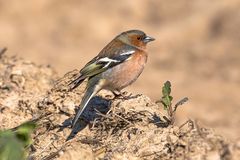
pixel 118 65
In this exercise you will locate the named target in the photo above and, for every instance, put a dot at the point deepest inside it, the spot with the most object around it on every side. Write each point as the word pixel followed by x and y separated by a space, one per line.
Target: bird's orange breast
pixel 125 73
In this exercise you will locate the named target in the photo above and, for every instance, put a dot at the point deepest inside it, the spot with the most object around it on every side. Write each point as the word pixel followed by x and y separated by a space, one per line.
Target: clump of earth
pixel 110 128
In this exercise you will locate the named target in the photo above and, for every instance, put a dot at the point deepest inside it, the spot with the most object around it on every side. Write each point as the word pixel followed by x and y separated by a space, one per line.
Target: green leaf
pixel 166 98
pixel 10 147
pixel 24 131
pixel 13 142
pixel 166 90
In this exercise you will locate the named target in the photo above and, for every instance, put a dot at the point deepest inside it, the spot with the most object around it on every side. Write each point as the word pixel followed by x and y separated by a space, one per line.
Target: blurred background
pixel 197 46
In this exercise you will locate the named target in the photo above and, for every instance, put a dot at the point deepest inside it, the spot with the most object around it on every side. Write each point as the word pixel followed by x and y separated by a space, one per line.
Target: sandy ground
pixel 196 48
pixel 110 128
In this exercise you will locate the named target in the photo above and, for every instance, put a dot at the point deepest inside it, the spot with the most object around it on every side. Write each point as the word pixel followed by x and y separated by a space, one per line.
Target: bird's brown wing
pixel 100 64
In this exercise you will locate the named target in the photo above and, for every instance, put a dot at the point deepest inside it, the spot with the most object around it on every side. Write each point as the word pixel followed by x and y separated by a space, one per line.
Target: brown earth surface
pixel 196 48
pixel 131 128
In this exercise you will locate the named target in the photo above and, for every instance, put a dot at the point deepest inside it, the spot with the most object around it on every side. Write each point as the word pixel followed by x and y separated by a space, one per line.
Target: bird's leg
pixel 116 94
pixel 121 95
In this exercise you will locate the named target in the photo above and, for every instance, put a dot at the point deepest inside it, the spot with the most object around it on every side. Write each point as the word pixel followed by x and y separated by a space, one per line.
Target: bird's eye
pixel 139 38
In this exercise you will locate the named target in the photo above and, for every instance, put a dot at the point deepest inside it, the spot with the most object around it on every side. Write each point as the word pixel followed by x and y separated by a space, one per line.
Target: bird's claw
pixel 122 95
pixel 119 95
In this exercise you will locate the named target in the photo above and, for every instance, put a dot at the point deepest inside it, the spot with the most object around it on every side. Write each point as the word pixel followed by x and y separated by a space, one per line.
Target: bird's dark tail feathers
pixel 92 89
pixel 75 83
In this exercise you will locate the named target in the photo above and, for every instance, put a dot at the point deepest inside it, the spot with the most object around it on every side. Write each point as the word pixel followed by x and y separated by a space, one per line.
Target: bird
pixel 117 66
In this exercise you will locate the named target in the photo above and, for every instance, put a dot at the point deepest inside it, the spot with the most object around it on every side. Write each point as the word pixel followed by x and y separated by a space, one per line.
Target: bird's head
pixel 135 38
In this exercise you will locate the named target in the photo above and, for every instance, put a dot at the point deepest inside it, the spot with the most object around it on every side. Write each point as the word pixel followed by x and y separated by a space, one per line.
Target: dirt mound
pixel 22 85
pixel 111 128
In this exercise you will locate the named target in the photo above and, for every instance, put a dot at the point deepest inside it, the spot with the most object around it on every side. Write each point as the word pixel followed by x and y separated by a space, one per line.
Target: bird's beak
pixel 148 39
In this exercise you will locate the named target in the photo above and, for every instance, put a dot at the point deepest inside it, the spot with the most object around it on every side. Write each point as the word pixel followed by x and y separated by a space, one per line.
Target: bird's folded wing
pixel 101 64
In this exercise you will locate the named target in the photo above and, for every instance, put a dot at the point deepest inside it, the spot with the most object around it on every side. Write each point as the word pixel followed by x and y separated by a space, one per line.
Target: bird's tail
pixel 76 82
pixel 92 89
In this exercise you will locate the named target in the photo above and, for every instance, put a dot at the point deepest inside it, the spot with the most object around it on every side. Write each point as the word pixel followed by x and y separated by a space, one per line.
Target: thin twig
pixel 44 148
pixel 52 155
pixel 188 121
pixel 199 129
pixel 2 51
pixel 123 119
pixel 150 154
pixel 94 123
pixel 103 115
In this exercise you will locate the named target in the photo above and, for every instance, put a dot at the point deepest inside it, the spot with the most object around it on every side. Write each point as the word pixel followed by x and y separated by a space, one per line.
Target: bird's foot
pixel 121 95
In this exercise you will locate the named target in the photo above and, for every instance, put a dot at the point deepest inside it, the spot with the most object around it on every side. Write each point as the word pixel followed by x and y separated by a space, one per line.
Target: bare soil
pixel 196 48
pixel 111 128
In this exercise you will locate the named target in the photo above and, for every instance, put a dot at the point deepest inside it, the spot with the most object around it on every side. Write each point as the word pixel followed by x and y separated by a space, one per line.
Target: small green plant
pixel 14 142
pixel 167 99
